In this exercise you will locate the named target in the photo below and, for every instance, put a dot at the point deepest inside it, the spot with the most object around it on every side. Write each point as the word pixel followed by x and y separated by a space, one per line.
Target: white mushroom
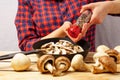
pixel 20 62
pixel 97 55
pixel 106 64
pixel 78 64
pixel 117 48
pixel 102 48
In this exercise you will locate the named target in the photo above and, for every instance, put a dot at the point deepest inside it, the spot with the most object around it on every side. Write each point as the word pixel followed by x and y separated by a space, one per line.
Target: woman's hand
pixel 99 12
pixel 68 25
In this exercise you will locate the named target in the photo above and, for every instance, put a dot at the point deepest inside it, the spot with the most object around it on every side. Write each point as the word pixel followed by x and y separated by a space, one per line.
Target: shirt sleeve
pixel 25 26
pixel 91 1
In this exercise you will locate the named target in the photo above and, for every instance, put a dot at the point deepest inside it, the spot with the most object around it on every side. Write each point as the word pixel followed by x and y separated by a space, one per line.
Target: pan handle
pixel 11 55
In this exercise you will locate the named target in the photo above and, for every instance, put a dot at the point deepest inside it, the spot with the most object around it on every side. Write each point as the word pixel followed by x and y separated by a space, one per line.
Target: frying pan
pixel 83 43
pixel 37 45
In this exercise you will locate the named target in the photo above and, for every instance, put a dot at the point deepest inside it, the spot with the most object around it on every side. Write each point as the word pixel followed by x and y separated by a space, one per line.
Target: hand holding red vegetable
pixel 76 30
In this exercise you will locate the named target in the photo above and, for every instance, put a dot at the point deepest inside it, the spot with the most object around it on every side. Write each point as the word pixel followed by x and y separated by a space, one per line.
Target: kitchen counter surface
pixel 7 73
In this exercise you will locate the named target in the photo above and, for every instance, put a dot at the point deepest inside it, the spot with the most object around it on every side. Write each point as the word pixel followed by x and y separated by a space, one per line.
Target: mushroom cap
pixel 62 60
pixel 102 48
pixel 118 58
pixel 99 54
pixel 117 48
pixel 112 53
pixel 20 62
pixel 108 63
pixel 43 60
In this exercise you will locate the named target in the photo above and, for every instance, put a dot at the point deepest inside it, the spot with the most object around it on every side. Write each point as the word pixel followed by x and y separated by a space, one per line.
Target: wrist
pixel 109 6
pixel 113 7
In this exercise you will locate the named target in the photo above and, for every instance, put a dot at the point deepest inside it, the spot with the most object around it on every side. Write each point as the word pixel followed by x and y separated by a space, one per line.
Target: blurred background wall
pixel 108 33
pixel 8 35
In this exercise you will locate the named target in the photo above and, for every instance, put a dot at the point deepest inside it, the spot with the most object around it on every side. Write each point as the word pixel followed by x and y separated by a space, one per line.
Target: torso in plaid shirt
pixel 37 18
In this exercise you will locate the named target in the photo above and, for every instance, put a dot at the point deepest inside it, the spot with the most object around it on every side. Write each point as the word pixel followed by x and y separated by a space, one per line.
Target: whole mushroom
pixel 45 63
pixel 106 64
pixel 62 64
pixel 78 64
pixel 20 62
pixel 97 55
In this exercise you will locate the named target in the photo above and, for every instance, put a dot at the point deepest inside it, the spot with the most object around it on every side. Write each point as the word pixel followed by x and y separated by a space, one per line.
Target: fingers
pixel 85 28
pixel 86 7
pixel 81 35
pixel 66 25
pixel 76 39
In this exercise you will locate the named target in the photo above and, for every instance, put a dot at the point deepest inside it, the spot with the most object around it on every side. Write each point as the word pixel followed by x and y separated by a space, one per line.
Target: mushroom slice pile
pixel 106 64
pixel 61 47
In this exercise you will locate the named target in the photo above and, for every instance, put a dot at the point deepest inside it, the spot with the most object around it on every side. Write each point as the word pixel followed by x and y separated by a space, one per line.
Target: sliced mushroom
pixel 64 43
pixel 63 51
pixel 62 64
pixel 106 64
pixel 57 48
pixel 45 63
pixel 78 64
pixel 47 45
pixel 78 48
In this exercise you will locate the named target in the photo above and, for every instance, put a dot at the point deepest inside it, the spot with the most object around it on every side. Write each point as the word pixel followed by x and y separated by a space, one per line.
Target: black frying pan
pixel 36 48
pixel 84 44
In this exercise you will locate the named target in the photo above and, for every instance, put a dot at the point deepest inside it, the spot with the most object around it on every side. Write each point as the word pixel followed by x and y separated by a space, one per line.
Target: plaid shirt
pixel 38 18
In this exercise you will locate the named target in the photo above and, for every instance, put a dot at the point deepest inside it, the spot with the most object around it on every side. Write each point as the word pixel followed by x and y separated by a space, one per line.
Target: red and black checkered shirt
pixel 38 18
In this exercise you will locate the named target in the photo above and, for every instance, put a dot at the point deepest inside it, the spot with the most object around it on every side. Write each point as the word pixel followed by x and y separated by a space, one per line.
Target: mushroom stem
pixel 59 71
pixel 49 67
pixel 88 67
